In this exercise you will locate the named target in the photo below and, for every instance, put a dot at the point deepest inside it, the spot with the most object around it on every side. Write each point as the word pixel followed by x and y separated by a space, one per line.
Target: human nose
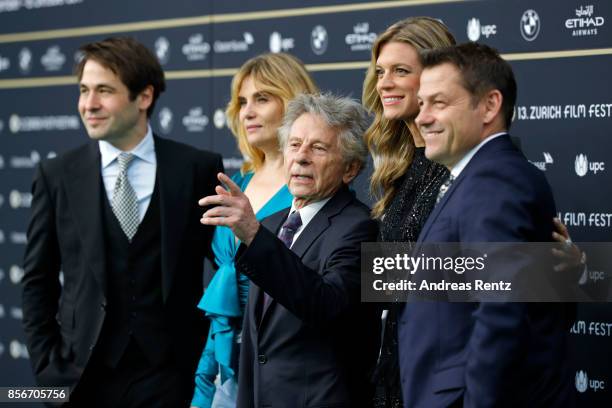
pixel 90 101
pixel 385 81
pixel 424 117
pixel 302 155
pixel 247 111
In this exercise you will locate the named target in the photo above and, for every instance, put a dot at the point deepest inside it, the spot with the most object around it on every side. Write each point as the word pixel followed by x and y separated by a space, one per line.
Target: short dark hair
pixel 131 61
pixel 482 70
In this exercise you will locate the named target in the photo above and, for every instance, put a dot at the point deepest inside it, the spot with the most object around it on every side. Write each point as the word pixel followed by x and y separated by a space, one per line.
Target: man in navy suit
pixel 306 340
pixel 481 354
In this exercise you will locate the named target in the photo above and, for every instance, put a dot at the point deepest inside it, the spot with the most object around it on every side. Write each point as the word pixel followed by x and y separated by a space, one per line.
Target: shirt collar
pixel 145 150
pixel 308 212
pixel 458 168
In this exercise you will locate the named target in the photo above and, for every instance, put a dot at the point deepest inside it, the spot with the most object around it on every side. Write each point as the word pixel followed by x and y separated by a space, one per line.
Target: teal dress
pixel 224 301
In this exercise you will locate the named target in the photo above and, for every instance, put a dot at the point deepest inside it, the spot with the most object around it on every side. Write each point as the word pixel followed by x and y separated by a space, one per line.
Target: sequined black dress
pixel 414 199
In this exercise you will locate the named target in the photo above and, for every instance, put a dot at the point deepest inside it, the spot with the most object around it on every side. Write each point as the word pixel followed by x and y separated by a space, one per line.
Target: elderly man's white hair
pixel 341 113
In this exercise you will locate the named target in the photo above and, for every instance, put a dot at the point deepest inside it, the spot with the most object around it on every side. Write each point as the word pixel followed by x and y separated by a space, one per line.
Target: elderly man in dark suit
pixel 306 340
pixel 119 217
pixel 488 354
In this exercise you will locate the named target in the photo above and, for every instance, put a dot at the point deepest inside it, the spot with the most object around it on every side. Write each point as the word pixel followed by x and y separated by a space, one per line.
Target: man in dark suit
pixel 306 340
pixel 481 354
pixel 119 217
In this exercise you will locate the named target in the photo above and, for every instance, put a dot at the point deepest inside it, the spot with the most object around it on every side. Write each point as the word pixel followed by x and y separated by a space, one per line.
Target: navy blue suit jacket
pixel 488 354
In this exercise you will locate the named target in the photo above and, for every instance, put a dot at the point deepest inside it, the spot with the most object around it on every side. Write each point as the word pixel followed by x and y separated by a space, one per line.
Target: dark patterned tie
pixel 290 227
pixel 444 187
pixel 286 234
pixel 125 204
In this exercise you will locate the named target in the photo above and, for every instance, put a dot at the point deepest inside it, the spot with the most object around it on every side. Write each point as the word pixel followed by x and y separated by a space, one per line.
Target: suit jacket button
pixel 262 359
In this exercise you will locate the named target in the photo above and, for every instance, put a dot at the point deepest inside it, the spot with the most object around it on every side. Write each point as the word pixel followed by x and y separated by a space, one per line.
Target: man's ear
pixel 350 171
pixel 145 98
pixel 492 103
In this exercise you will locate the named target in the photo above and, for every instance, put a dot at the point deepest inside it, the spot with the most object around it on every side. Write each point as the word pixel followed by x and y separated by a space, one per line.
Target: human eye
pixel 379 72
pixel 440 103
pixel 241 101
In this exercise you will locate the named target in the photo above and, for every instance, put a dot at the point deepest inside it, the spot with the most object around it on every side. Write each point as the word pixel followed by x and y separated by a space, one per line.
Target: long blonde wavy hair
pixel 391 142
pixel 281 75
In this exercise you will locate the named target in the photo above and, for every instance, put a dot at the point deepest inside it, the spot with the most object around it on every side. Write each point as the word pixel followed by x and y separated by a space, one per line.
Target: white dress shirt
pixel 141 171
pixel 307 213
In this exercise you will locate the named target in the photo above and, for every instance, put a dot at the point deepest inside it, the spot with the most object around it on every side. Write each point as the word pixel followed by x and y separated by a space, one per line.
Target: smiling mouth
pixel 94 120
pixel 300 177
pixel 391 100
pixel 429 133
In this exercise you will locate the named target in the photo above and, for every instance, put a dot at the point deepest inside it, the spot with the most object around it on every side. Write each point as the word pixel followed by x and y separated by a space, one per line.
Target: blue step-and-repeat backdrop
pixel 561 52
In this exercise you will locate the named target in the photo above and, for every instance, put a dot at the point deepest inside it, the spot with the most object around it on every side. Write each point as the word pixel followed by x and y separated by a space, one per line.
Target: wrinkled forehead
pixel 312 128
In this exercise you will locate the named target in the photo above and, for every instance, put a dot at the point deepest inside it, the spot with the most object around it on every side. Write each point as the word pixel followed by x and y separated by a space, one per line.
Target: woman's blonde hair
pixel 390 141
pixel 281 75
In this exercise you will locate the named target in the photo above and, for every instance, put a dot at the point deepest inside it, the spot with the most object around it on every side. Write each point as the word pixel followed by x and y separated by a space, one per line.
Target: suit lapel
pixel 272 223
pixel 311 232
pixel 320 222
pixel 84 193
pixel 499 143
pixel 438 208
pixel 174 208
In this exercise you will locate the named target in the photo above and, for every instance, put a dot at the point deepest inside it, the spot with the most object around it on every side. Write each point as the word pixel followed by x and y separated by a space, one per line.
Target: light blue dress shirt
pixel 141 172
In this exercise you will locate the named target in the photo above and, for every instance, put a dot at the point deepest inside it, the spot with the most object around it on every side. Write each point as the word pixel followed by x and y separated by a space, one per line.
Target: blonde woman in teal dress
pixel 260 92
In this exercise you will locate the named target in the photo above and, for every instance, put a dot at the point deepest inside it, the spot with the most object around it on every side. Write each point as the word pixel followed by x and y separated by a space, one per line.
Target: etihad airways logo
pixel 361 39
pixel 584 23
pixel 196 120
pixel 54 59
pixel 196 49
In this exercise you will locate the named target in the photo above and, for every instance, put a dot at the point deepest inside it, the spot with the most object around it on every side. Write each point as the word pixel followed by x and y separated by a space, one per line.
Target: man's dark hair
pixel 482 70
pixel 132 62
